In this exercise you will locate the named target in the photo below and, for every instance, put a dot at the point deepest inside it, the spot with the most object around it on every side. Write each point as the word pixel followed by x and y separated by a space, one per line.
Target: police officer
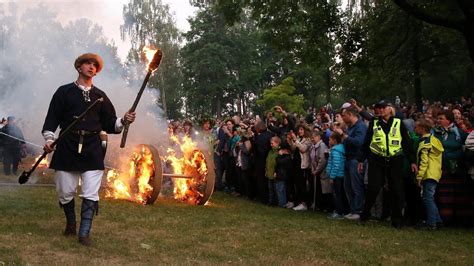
pixel 386 142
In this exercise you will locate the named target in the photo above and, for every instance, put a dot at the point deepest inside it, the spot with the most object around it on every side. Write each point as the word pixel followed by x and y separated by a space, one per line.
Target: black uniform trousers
pixel 382 170
pixel 11 160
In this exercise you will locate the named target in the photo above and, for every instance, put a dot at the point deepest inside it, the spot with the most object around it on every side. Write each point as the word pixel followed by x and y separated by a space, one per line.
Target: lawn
pixel 229 230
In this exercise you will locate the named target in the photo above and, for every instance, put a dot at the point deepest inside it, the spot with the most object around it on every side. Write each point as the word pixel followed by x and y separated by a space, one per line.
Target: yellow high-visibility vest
pixel 387 145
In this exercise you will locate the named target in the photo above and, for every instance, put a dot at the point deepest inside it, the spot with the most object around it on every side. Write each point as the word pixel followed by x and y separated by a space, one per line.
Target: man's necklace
pixel 85 92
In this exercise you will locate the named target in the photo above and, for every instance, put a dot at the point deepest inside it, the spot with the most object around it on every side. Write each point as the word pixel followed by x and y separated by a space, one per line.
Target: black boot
pixel 70 214
pixel 88 209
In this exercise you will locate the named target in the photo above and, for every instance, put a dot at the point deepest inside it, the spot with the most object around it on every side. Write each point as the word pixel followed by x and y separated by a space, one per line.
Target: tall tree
pixel 304 29
pixel 226 67
pixel 149 22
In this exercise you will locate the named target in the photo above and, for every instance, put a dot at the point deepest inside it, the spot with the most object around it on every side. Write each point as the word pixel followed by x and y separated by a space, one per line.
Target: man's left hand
pixel 129 117
pixel 414 168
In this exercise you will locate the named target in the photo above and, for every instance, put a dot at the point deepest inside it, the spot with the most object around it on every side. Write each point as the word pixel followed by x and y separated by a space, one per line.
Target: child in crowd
pixel 283 169
pixel 335 171
pixel 270 168
pixel 429 160
pixel 322 187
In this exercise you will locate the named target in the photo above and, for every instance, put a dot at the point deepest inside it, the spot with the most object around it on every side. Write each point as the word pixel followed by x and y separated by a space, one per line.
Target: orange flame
pixel 192 164
pixel 43 164
pixel 135 186
pixel 149 53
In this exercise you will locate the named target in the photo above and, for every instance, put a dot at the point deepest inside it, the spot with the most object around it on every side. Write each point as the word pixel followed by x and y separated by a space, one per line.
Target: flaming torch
pixel 152 66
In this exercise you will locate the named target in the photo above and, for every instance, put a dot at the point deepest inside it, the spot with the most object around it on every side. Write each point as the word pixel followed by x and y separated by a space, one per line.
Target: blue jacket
pixel 355 139
pixel 335 167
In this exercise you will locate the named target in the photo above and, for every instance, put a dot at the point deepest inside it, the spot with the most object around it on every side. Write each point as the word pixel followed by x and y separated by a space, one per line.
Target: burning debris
pixel 186 166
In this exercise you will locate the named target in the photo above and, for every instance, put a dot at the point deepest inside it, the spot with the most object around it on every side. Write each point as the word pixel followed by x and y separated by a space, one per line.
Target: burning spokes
pixel 142 171
pixel 142 184
pixel 191 180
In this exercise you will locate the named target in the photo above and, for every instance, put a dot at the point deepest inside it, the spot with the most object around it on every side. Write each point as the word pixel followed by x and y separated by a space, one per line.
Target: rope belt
pixel 81 134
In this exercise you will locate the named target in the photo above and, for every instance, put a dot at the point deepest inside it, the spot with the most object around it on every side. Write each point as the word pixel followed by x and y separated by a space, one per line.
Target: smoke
pixel 37 53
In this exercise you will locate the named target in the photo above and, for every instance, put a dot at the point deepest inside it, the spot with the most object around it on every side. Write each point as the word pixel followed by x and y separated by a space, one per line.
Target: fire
pixel 191 164
pixel 188 173
pixel 136 185
pixel 44 162
pixel 149 53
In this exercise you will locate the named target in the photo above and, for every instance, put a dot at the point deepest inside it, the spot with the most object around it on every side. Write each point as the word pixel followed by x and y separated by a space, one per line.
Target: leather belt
pixel 81 134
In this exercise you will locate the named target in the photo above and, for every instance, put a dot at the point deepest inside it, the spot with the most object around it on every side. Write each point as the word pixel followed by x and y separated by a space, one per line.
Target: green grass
pixel 229 230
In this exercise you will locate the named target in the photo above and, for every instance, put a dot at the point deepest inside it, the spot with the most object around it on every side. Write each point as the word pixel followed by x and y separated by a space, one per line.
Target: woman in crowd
pixel 301 145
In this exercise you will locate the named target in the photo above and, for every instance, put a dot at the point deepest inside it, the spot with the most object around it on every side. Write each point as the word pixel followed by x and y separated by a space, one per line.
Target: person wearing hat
pixel 385 144
pixel 79 154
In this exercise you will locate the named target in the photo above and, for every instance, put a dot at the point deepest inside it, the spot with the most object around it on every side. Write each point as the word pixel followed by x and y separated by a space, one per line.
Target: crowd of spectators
pixel 327 161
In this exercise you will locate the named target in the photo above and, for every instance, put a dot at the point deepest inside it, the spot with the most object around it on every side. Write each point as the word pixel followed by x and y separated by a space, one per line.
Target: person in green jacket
pixel 429 160
pixel 270 169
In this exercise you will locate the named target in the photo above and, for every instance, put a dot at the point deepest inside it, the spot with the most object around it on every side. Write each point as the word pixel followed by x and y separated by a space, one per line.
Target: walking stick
pixel 26 174
pixel 155 62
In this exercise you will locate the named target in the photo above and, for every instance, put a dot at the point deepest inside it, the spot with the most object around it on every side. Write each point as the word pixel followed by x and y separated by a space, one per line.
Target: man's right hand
pixel 48 147
pixel 360 167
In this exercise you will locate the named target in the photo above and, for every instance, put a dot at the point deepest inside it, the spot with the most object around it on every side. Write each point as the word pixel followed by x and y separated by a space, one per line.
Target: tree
pixel 282 95
pixel 462 17
pixel 304 29
pixel 225 67
pixel 420 60
pixel 149 22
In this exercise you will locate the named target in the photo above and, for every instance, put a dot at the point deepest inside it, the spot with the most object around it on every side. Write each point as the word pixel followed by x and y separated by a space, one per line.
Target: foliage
pixel 304 30
pixel 385 52
pixel 226 67
pixel 282 95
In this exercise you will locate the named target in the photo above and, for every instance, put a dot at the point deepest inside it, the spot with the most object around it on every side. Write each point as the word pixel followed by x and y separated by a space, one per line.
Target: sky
pixel 108 14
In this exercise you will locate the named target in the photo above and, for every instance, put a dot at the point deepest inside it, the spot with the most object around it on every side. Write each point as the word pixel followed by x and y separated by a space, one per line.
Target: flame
pixel 192 164
pixel 43 164
pixel 184 158
pixel 149 53
pixel 136 185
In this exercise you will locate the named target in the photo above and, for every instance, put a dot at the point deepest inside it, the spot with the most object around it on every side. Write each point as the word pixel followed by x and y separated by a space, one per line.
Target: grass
pixel 228 231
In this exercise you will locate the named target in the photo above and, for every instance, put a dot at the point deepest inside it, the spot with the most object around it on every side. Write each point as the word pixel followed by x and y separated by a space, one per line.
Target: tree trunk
pixel 239 105
pixel 218 107
pixel 163 102
pixel 328 85
pixel 416 64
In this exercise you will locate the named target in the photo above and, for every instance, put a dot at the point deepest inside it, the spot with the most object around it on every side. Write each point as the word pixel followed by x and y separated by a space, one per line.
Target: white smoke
pixel 37 54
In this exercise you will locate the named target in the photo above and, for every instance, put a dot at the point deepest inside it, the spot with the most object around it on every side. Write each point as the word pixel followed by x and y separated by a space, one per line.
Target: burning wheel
pixel 194 182
pixel 192 176
pixel 146 169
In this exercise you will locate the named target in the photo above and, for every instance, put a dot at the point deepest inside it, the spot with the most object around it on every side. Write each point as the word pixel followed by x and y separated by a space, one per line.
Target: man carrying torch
pixel 79 153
